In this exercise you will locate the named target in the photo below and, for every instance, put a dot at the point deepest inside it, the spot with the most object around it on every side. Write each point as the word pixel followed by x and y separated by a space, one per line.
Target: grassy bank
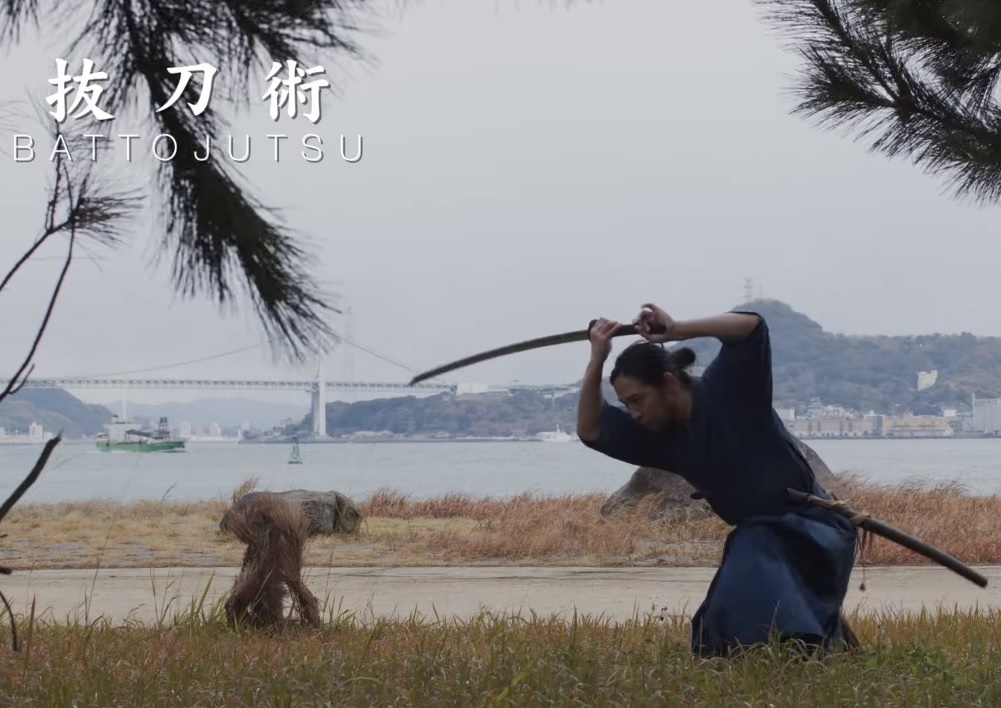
pixel 949 659
pixel 458 530
pixel 353 659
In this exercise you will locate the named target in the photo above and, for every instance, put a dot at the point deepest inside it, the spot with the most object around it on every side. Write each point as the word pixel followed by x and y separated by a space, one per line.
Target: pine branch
pixel 959 40
pixel 217 230
pixel 906 77
pixel 14 15
pixel 973 26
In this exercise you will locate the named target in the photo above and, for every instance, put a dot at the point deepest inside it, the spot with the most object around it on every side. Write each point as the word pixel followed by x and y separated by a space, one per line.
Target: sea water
pixel 77 471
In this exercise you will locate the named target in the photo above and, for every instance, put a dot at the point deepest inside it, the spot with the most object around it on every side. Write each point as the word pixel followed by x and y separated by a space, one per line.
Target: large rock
pixel 677 494
pixel 825 477
pixel 328 512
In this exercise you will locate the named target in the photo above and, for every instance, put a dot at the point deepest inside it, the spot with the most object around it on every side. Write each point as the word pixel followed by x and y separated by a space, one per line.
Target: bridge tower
pixel 349 348
pixel 318 402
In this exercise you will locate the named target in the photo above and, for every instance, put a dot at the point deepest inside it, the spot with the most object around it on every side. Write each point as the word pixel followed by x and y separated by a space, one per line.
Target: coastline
pixel 404 439
pixel 366 441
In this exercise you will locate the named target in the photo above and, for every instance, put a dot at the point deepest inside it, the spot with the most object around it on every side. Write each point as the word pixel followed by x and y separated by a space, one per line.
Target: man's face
pixel 650 406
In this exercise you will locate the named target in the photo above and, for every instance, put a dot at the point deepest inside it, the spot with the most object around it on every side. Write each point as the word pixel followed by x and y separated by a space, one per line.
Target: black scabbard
pixel 897 536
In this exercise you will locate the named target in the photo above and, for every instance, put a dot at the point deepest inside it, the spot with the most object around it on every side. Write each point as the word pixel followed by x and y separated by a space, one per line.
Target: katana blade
pixel 581 335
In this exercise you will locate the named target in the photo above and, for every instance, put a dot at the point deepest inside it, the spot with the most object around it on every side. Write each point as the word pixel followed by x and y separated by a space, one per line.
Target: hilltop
pixel 865 372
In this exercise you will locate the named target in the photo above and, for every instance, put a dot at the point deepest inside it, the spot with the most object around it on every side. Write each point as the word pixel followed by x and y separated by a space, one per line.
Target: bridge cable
pixel 357 345
pixel 175 365
pixel 386 358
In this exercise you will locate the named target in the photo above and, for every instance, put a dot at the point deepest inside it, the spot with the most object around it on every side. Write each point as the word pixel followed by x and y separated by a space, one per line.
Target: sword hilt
pixel 627 330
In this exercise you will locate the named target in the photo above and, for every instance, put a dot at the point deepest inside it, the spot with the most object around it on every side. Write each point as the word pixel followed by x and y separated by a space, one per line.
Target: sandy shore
pixel 144 595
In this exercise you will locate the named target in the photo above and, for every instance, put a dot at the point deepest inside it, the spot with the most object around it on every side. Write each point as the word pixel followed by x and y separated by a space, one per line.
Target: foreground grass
pixel 459 530
pixel 942 659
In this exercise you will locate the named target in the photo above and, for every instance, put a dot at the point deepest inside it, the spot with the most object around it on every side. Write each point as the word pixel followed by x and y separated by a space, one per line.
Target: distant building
pixel 834 427
pixel 927 379
pixel 986 414
pixel 36 433
pixel 909 426
pixel 816 409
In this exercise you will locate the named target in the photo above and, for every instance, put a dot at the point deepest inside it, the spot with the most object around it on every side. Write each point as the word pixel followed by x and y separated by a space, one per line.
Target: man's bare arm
pixel 591 402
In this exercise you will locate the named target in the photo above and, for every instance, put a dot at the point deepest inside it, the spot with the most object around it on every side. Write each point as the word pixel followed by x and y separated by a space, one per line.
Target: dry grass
pixel 931 660
pixel 948 658
pixel 459 530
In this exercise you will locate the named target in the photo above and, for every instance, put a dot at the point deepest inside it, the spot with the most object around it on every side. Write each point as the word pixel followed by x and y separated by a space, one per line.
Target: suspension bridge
pixel 317 387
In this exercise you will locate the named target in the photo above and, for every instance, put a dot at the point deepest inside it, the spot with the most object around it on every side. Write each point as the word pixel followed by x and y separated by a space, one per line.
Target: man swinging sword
pixel 786 566
pixel 788 560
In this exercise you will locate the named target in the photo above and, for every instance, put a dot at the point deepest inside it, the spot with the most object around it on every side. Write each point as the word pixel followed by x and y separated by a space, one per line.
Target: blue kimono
pixel 785 567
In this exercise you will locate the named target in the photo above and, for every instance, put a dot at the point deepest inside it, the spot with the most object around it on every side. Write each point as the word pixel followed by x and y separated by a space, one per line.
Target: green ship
pixel 120 435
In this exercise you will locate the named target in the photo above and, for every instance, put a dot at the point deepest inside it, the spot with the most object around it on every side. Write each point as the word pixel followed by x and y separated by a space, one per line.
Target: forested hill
pixel 55 410
pixel 871 372
pixel 859 372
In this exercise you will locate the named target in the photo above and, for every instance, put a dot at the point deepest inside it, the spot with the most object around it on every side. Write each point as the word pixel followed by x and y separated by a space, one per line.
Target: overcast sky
pixel 528 167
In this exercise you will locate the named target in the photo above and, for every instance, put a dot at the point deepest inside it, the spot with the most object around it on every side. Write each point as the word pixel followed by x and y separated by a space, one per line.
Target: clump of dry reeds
pixel 456 529
pixel 527 528
pixel 276 533
pixel 389 503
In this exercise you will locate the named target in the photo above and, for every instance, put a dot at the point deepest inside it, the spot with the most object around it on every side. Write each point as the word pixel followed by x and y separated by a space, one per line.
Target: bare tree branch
pixel 32 476
pixel 77 205
pixel 81 208
pixel 15 382
pixel 15 496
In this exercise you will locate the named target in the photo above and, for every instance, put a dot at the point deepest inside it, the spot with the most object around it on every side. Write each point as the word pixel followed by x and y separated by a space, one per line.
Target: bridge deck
pixel 305 385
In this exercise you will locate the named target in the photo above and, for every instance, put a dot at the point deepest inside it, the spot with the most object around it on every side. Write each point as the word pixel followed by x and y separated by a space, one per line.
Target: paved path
pixel 618 593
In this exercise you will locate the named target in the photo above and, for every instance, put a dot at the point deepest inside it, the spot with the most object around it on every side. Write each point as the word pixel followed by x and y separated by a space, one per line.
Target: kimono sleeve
pixel 742 371
pixel 623 439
